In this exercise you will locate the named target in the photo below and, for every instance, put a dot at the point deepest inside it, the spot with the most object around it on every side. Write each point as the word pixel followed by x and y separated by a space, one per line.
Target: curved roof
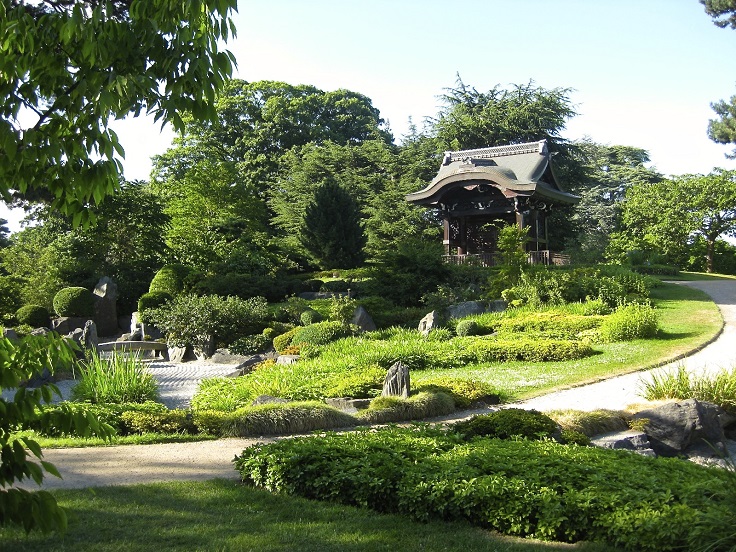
pixel 517 169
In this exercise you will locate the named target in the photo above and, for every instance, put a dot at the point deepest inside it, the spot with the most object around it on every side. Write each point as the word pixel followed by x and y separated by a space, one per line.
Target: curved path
pixel 120 465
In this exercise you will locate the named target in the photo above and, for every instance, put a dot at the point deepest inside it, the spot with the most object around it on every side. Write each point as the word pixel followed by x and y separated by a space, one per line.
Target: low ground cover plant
pixel 540 489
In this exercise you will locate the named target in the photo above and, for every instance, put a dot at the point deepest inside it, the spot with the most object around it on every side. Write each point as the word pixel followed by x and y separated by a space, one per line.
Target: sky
pixel 642 73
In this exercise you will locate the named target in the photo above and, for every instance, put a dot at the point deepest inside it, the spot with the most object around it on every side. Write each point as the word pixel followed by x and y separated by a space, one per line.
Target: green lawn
pixel 688 317
pixel 224 515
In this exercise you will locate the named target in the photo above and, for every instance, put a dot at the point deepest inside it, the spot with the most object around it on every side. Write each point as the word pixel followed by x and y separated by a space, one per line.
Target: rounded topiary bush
pixel 74 301
pixel 508 423
pixel 170 279
pixel 313 285
pixel 152 300
pixel 310 316
pixel 33 315
pixel 465 328
pixel 322 333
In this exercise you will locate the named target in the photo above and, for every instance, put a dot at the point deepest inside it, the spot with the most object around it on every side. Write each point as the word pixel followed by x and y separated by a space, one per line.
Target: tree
pixel 723 12
pixel 666 216
pixel 68 67
pixel 332 231
pixel 606 172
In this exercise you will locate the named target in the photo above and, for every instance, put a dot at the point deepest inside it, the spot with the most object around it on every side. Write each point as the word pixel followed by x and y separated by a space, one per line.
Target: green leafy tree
pixel 667 216
pixel 68 67
pixel 332 231
pixel 606 172
pixel 34 510
pixel 723 12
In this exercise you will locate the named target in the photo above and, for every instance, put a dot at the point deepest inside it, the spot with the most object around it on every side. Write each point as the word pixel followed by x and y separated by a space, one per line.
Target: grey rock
pixel 347 404
pixel 268 399
pixel 635 441
pixel 499 305
pixel 89 338
pixel 179 354
pixel 287 359
pixel 397 383
pixel 40 331
pixel 429 323
pixel 10 333
pixel 67 324
pixel 224 356
pixel 363 320
pixel 675 428
pixel 312 295
pixel 468 308
pixel 124 322
pixel 106 314
pixel 207 349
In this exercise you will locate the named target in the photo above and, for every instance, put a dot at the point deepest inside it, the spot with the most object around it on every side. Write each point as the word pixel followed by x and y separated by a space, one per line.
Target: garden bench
pixel 136 346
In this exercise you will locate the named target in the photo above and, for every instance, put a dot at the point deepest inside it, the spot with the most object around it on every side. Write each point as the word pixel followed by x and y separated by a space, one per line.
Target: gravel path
pixel 120 465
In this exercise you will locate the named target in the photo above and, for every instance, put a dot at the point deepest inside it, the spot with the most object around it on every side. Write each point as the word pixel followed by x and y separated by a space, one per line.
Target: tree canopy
pixel 723 12
pixel 68 68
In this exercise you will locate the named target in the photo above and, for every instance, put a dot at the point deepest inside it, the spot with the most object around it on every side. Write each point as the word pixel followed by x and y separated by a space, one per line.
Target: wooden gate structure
pixel 476 188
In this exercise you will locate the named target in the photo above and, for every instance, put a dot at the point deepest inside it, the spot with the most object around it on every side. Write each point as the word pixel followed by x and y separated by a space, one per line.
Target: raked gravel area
pixel 121 465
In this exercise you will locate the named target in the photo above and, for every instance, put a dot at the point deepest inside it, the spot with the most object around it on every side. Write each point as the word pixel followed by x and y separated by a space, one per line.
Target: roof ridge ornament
pixel 539 147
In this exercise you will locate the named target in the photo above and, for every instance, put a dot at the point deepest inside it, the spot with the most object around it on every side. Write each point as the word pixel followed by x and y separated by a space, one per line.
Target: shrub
pixel 33 315
pixel 170 279
pixel 335 286
pixel 10 298
pixel 527 349
pixel 322 333
pixel 656 269
pixel 194 320
pixel 551 324
pixel 281 419
pixel 591 423
pixel 152 300
pixel 107 413
pixel 121 379
pixel 718 388
pixel 313 285
pixel 74 301
pixel 508 423
pixel 383 410
pixel 170 421
pixel 270 333
pixel 251 345
pixel 463 392
pixel 358 384
pixel 310 316
pixel 210 422
pixel 571 437
pixel 634 321
pixel 467 327
pixel 281 342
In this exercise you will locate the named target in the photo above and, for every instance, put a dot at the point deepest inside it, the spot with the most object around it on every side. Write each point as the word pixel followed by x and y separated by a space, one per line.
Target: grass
pixel 718 388
pixel 119 379
pixel 688 319
pixel 46 442
pixel 225 515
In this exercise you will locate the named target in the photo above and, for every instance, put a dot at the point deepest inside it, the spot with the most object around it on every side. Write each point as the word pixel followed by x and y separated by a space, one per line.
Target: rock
pixel 177 354
pixel 10 333
pixel 468 308
pixel 635 441
pixel 363 320
pixel 135 336
pixel 106 314
pixel 246 366
pixel 287 359
pixel 67 324
pixel 347 404
pixel 207 349
pixel 499 305
pixel 124 322
pixel 312 295
pixel 429 323
pixel 689 427
pixel 40 331
pixel 268 399
pixel 396 383
pixel 89 335
pixel 224 356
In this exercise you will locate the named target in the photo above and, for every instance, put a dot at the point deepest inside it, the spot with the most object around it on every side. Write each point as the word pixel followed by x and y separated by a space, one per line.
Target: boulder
pixel 10 333
pixel 363 320
pixel 67 324
pixel 635 441
pixel 287 359
pixel 429 323
pixel 687 427
pixel 468 308
pixel 346 404
pixel 396 383
pixel 208 348
pixel 499 305
pixel 89 338
pixel 106 314
pixel 178 354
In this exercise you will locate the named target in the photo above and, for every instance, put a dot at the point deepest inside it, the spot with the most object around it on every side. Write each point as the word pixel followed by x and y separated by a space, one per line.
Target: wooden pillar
pixel 462 246
pixel 446 236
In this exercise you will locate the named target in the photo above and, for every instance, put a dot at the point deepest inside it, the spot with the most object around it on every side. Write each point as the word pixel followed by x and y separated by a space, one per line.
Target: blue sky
pixel 643 72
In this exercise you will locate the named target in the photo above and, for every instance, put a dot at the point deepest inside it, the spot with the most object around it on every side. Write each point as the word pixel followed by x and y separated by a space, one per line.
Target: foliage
pixel 342 309
pixel 419 406
pixel 72 67
pixel 539 489
pixel 322 333
pixel 152 300
pixel 194 320
pixel 170 279
pixel 251 344
pixel 549 323
pixel 508 423
pixel 665 216
pixel 718 388
pixel 169 421
pixel 74 301
pixel 358 384
pixel 282 341
pixel 33 510
pixel 10 298
pixel 530 349
pixel 332 232
pixel 120 379
pixel 464 392
pixel 110 414
pixel 282 419
pixel 595 422
pixel 33 315
pixel 467 327
pixel 633 321
pixel 723 12
pixel 310 316
pixel 512 259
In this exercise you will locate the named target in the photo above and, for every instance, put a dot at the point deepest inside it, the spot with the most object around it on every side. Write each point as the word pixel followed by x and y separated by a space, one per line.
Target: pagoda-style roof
pixel 517 171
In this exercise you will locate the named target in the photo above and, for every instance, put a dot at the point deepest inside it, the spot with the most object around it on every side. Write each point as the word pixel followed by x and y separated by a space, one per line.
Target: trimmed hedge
pixel 463 392
pixel 527 349
pixel 170 279
pixel 74 301
pixel 322 333
pixel 310 316
pixel 281 342
pixel 282 419
pixel 33 315
pixel 384 410
pixel 170 421
pixel 152 300
pixel 509 423
pixel 539 489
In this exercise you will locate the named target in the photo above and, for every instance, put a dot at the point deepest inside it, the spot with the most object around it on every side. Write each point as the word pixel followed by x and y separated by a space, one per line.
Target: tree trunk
pixel 709 254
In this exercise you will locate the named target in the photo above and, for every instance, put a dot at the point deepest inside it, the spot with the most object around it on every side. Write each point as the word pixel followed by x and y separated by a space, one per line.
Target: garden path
pixel 121 465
